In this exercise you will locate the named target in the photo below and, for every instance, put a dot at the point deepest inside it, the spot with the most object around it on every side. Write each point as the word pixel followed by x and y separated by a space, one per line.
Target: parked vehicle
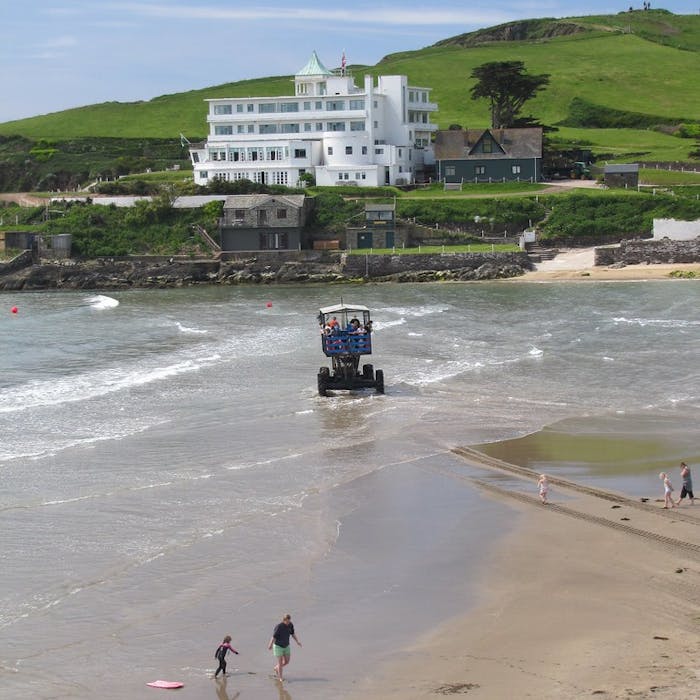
pixel 346 335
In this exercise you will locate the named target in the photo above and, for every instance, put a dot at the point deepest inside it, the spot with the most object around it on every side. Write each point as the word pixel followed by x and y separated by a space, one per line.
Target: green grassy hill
pixel 641 63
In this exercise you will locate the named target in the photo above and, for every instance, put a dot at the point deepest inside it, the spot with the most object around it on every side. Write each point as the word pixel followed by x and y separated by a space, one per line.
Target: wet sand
pixel 590 596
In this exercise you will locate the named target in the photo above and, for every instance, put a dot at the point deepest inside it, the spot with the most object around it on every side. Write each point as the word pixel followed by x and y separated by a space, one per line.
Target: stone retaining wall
pixel 651 252
pixel 372 266
pixel 24 259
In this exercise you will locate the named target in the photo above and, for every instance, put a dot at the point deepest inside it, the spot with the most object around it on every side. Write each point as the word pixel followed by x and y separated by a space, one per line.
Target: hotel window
pixel 307 106
pixel 300 153
pixel 195 157
pixel 487 146
pixel 357 104
pixel 357 126
pixel 335 126
pixel 273 154
pixel 515 169
pixel 290 129
pixel 376 125
pixel 330 150
pixel 319 126
pixel 222 109
pixel 239 108
pixel 204 174
pixel 251 108
pixel 335 105
pixel 281 213
pixel 480 170
pixel 289 107
pixel 251 128
pixel 400 153
pixel 424 97
pixel 239 214
pixel 348 150
pixel 241 128
pixel 322 88
pixel 378 151
pixel 376 104
pixel 268 128
pixel 267 107
pixel 223 130
pixel 364 150
pixel 217 155
pixel 303 88
pixel 411 96
pixel 319 105
pixel 307 126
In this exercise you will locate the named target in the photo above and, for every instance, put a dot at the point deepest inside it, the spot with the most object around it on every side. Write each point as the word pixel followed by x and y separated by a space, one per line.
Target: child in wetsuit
pixel 220 655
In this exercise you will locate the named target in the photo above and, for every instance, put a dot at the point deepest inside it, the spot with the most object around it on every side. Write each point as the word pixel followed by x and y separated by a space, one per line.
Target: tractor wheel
pixel 324 371
pixel 367 371
pixel 379 385
pixel 323 382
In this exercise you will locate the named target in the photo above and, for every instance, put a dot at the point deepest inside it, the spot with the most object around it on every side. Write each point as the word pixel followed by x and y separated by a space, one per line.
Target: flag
pixel 342 63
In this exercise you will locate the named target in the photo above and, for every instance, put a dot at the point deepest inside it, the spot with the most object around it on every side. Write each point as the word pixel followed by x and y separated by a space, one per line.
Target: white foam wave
pixel 90 385
pixel 660 322
pixel 380 325
pixel 536 352
pixel 100 302
pixel 186 329
pixel 416 311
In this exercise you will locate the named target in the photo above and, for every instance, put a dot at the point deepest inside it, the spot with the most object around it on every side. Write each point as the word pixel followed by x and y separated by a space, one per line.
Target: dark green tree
pixel 507 87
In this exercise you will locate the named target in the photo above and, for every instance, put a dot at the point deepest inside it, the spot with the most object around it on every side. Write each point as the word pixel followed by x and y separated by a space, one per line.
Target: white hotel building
pixel 341 134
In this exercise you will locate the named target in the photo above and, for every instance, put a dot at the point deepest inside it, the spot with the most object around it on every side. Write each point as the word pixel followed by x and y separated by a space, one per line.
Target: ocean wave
pixel 381 325
pixel 186 329
pixel 415 311
pixel 101 302
pixel 660 322
pixel 90 385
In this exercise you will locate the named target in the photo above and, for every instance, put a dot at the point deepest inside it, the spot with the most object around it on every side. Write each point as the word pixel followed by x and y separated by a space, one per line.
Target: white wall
pixel 676 230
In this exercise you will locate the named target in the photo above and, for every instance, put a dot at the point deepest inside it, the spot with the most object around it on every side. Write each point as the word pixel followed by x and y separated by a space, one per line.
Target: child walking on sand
pixel 220 655
pixel 668 490
pixel 543 485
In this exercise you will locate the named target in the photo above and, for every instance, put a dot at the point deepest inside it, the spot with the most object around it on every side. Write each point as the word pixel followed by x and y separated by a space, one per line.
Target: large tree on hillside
pixel 507 87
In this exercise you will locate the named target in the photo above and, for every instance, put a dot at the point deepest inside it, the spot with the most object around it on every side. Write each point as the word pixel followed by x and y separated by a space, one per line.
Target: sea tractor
pixel 346 335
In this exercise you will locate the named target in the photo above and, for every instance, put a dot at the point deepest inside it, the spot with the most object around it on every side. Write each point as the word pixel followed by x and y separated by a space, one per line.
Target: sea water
pixel 168 471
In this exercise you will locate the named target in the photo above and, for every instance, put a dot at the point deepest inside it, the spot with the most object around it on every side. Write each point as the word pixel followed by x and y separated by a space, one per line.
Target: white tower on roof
pixel 330 128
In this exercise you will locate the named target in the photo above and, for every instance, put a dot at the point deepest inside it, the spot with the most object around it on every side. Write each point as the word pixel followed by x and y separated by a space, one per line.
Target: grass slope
pixel 643 62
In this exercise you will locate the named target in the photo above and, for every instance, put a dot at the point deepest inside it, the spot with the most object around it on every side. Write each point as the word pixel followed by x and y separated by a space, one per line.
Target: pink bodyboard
pixel 168 685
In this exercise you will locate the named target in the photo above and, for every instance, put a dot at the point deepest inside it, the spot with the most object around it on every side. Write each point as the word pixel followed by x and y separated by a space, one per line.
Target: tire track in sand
pixel 479 459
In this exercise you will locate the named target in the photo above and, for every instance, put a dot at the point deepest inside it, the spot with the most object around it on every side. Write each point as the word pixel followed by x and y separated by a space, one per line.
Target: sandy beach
pixel 578 264
pixel 594 595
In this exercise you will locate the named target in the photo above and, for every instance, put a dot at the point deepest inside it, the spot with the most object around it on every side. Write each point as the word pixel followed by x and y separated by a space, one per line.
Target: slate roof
pixel 251 201
pixel 620 168
pixel 314 67
pixel 515 143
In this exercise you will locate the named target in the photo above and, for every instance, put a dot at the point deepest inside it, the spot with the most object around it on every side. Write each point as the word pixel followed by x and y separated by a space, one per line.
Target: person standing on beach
pixel 279 643
pixel 220 655
pixel 687 489
pixel 668 490
pixel 543 485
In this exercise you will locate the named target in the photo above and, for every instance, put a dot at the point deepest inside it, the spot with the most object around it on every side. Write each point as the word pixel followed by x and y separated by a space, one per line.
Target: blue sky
pixel 56 54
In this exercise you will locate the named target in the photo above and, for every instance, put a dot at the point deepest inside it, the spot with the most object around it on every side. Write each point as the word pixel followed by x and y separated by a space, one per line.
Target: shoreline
pixel 573 603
